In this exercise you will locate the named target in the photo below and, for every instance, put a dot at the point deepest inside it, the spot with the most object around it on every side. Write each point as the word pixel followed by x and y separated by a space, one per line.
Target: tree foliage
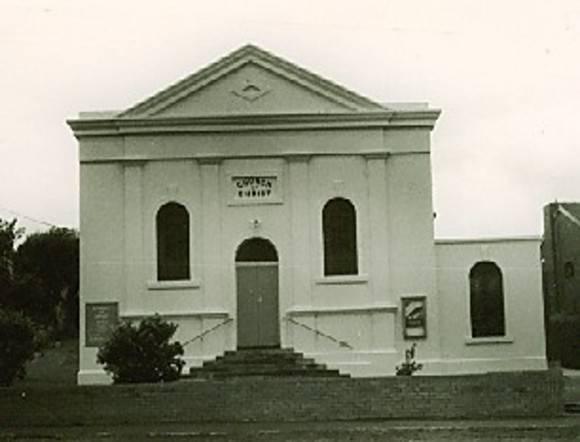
pixel 17 345
pixel 39 283
pixel 142 353
pixel 48 265
pixel 40 278
pixel 9 234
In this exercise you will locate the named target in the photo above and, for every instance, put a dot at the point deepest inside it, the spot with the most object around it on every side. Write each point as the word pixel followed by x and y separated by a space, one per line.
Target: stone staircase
pixel 262 362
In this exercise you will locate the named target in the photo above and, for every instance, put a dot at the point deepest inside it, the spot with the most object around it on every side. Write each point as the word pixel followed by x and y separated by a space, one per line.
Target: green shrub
pixel 142 353
pixel 17 345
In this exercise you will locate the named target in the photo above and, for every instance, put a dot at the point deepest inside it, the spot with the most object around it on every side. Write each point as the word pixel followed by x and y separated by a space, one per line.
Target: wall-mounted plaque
pixel 255 189
pixel 414 317
pixel 101 320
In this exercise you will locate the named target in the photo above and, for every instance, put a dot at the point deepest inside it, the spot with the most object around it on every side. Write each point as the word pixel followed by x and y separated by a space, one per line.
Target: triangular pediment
pixel 251 81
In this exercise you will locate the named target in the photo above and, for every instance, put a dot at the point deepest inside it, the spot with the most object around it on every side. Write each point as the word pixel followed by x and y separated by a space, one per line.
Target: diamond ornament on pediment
pixel 250 91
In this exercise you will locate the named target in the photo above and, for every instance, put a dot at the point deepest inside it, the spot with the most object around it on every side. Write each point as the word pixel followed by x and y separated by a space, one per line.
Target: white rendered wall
pixel 390 191
pixel 320 141
pixel 101 251
pixel 523 347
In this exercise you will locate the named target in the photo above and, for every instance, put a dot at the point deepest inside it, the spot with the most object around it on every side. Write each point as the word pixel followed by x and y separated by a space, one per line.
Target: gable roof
pixel 250 54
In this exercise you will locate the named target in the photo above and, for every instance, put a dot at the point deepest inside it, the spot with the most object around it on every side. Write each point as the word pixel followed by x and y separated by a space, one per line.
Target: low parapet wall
pixel 493 395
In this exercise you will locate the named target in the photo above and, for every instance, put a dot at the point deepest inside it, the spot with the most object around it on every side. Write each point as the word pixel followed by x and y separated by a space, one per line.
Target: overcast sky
pixel 505 73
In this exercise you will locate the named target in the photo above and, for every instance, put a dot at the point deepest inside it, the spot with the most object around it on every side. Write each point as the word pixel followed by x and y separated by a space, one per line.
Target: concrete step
pixel 263 362
pixel 260 351
pixel 249 356
pixel 272 365
pixel 262 372
pixel 264 367
pixel 286 359
pixel 301 374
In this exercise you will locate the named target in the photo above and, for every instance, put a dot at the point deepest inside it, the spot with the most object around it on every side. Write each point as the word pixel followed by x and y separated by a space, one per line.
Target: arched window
pixel 339 232
pixel 486 300
pixel 172 242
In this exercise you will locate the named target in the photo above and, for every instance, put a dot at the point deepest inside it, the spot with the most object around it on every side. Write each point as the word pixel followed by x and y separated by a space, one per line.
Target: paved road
pixel 560 429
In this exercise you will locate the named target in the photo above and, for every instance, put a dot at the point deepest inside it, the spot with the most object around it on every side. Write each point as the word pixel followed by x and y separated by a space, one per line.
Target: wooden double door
pixel 257 302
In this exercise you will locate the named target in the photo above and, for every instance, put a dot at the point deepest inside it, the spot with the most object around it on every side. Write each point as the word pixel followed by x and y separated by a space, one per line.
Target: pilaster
pixel 378 223
pixel 211 243
pixel 133 226
pixel 300 229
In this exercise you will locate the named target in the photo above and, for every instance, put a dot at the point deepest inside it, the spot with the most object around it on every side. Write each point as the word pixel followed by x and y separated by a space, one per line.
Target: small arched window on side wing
pixel 486 300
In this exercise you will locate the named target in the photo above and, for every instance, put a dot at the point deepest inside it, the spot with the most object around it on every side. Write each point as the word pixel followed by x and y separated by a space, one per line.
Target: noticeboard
pixel 414 317
pixel 101 320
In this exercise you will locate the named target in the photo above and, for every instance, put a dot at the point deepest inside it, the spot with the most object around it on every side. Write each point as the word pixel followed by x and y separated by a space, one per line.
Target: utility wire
pixel 29 218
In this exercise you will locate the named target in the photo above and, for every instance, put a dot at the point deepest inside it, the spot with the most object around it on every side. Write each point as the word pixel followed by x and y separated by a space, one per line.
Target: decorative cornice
pixel 252 123
pixel 210 161
pixel 289 156
pixel 134 162
pixel 298 157
pixel 376 155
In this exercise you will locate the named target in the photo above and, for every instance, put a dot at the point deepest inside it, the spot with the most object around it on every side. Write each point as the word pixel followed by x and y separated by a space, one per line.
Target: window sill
pixel 343 279
pixel 489 340
pixel 173 285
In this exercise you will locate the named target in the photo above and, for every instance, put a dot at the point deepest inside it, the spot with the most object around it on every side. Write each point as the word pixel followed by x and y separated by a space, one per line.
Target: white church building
pixel 256 204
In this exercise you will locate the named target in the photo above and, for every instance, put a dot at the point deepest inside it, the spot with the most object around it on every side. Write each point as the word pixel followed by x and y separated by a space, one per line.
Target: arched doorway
pixel 257 294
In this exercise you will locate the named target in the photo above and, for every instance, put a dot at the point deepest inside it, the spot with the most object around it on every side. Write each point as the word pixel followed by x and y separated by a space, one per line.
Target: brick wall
pixel 494 395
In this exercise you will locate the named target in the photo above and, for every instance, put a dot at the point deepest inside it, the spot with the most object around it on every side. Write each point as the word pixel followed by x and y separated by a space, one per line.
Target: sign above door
pixel 255 189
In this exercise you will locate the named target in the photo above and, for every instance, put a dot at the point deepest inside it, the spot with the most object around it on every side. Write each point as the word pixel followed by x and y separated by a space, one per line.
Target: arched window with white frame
pixel 172 230
pixel 486 300
pixel 339 235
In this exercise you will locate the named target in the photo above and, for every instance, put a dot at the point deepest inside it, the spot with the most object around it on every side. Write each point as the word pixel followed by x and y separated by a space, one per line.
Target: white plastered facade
pixel 254 114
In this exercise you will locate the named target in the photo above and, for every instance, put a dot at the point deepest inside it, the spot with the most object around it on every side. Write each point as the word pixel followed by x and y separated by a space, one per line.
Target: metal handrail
pixel 207 332
pixel 340 343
